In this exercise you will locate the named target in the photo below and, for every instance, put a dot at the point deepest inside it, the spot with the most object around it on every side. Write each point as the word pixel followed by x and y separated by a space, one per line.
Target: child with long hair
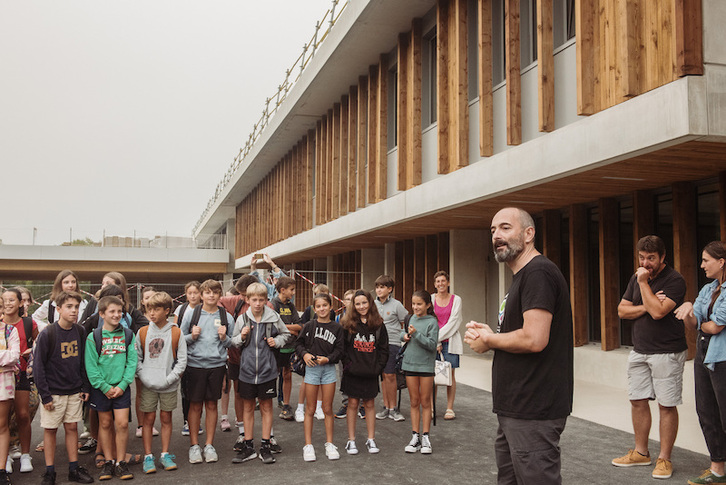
pixel 421 339
pixel 364 358
pixel 9 355
pixel 13 312
pixel 320 345
pixel 46 313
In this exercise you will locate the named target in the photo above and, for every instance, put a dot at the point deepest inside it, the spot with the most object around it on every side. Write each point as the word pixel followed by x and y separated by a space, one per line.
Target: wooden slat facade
pixel 417 260
pixel 545 65
pixel 486 98
pixel 452 85
pixel 628 47
pixel 409 107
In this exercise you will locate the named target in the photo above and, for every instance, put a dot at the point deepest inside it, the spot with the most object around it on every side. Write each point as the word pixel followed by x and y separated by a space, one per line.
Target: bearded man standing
pixel 532 374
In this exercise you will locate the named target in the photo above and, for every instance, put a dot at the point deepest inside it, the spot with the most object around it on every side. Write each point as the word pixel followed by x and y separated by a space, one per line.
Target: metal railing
pixel 322 28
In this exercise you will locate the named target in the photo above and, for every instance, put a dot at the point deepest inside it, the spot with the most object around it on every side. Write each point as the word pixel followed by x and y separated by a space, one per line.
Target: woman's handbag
pixel 442 372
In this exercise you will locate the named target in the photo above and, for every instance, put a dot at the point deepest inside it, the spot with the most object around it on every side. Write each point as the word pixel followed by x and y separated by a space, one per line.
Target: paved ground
pixel 463 453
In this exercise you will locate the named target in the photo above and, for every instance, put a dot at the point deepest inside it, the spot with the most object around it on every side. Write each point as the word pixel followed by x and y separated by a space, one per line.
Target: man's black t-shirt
pixel 668 334
pixel 535 385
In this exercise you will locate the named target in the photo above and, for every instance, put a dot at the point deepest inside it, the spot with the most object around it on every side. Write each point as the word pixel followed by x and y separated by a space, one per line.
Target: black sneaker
pixel 274 446
pixel 266 455
pixel 239 444
pixel 107 471
pixel 245 454
pixel 88 446
pixel 79 475
pixel 49 478
pixel 123 472
pixel 342 412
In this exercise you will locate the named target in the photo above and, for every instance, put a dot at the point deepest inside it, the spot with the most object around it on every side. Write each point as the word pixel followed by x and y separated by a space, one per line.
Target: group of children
pixel 242 342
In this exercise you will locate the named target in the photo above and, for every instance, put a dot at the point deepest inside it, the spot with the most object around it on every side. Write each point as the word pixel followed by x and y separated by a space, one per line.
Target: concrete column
pixel 231 242
pixel 468 270
pixel 372 265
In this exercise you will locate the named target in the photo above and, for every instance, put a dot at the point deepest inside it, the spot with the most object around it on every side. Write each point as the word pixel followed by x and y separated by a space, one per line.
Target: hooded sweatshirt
pixel 366 351
pixel 257 361
pixel 420 352
pixel 207 351
pixel 157 368
pixel 116 366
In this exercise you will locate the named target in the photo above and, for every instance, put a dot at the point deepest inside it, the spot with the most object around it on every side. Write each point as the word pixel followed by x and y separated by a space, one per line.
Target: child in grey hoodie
pixel 258 331
pixel 162 356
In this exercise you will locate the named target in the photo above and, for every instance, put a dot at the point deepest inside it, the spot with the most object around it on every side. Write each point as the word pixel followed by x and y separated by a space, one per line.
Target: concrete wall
pixel 372 265
pixel 467 267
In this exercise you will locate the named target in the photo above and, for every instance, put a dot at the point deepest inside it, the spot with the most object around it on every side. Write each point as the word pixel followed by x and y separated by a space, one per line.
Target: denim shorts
pixel 453 359
pixel 321 374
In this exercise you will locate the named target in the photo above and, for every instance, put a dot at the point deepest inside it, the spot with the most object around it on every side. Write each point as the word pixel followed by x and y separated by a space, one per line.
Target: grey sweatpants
pixel 528 451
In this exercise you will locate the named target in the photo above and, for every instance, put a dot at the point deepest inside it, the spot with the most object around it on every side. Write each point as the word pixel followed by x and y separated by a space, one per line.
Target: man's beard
pixel 512 249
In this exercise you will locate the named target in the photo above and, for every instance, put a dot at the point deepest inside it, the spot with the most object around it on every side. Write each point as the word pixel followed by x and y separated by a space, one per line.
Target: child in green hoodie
pixel 111 366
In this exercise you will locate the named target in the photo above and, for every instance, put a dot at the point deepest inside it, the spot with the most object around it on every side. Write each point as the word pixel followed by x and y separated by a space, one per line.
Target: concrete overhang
pixel 364 30
pixel 91 263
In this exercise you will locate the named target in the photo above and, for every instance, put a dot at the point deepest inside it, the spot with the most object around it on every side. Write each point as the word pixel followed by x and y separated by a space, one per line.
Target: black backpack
pixel 98 338
pixel 197 313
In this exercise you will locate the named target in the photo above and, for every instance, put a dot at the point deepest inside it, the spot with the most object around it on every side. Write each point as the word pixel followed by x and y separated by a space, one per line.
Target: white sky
pixel 125 115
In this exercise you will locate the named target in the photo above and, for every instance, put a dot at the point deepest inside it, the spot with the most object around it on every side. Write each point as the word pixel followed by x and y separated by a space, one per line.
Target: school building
pixel 416 120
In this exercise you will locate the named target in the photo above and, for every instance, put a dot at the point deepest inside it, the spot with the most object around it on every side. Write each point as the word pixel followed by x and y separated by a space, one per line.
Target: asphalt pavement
pixel 463 452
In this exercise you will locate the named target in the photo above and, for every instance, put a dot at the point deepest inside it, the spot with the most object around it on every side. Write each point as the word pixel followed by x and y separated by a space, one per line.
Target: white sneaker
pixel 309 453
pixel 350 448
pixel 9 466
pixel 396 415
pixel 414 445
pixel 15 452
pixel 210 454
pixel 319 414
pixel 331 451
pixel 426 445
pixel 85 435
pixel 371 445
pixel 26 463
pixel 139 431
pixel 154 431
pixel 195 454
pixel 299 415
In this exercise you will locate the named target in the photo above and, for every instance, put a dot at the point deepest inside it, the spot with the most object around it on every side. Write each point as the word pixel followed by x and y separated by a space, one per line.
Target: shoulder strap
pixel 28 327
pixel 142 338
pixel 196 314
pixel 129 334
pixel 175 335
pixel 89 310
pixel 98 339
pixel 223 317
pixel 238 308
pixel 406 321
pixel 181 312
pixel 51 329
pixel 51 312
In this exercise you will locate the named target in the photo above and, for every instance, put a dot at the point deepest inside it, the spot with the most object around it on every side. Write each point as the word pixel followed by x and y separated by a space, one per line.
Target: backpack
pixel 51 312
pixel 247 323
pixel 98 338
pixel 175 335
pixel 238 308
pixel 198 313
pixel 28 328
pixel 182 309
pixel 399 355
pixel 298 363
